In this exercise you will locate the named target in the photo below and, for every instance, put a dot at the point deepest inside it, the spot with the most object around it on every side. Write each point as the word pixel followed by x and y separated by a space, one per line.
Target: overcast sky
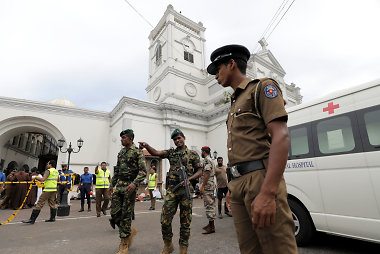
pixel 93 52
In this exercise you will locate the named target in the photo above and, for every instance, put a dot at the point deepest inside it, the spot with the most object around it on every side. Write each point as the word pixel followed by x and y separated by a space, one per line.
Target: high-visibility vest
pixel 102 178
pixel 152 181
pixel 50 183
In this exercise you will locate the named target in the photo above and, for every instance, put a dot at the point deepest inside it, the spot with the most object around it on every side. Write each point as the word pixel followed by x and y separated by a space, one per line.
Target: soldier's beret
pixel 227 52
pixel 127 131
pixel 206 148
pixel 177 132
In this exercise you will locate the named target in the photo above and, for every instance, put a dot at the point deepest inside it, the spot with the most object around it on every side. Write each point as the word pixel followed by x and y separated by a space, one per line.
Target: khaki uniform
pixel 208 196
pixel 249 140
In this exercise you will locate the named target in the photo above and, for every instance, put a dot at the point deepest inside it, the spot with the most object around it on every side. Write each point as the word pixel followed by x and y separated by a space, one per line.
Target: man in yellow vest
pixel 49 193
pixel 103 178
pixel 152 185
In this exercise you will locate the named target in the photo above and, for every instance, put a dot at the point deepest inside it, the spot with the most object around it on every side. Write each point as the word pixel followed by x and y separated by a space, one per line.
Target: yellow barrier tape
pixel 72 181
pixel 15 213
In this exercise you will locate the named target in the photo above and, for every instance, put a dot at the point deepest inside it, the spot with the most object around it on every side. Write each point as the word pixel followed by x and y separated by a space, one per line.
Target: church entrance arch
pixel 33 127
pixel 12 165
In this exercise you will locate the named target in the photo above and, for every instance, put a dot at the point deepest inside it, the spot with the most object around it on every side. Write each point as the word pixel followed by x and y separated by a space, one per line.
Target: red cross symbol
pixel 330 108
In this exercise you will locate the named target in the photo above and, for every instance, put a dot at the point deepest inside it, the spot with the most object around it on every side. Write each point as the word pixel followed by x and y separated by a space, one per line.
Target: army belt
pixel 246 167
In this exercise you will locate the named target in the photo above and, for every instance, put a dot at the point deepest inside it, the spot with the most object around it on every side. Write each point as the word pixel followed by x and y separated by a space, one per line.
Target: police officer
pixel 207 190
pixel 85 186
pixel 49 193
pixel 103 177
pixel 258 144
pixel 190 159
pixel 130 171
pixel 65 181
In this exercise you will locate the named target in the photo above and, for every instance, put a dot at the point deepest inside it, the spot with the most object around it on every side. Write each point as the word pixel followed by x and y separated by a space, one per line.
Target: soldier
pixel 207 190
pixel 190 159
pixel 130 171
pixel 258 144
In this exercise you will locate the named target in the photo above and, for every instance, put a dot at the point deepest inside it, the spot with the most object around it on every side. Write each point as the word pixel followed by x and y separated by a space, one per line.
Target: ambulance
pixel 333 168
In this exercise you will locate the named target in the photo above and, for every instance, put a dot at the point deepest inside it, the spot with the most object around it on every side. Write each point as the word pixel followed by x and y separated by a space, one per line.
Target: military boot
pixel 168 247
pixel 53 212
pixel 130 238
pixel 206 227
pixel 182 249
pixel 210 229
pixel 123 248
pixel 112 223
pixel 33 217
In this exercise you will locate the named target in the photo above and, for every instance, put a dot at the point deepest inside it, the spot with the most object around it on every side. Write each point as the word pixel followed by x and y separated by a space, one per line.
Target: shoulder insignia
pixel 270 91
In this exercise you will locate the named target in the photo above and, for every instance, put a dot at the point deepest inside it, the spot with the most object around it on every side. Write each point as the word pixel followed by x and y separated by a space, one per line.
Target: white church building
pixel 180 94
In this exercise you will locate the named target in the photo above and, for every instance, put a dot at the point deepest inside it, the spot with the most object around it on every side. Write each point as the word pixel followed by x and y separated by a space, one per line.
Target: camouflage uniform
pixel 131 168
pixel 208 196
pixel 190 159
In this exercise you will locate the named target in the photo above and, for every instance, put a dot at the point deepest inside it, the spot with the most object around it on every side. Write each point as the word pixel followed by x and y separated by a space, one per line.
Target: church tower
pixel 177 61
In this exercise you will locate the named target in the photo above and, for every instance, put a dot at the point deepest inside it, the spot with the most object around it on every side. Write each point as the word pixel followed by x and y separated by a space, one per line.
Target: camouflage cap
pixel 127 131
pixel 177 132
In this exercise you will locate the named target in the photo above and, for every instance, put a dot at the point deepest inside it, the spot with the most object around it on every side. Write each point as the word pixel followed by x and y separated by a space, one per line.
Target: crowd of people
pixel 13 192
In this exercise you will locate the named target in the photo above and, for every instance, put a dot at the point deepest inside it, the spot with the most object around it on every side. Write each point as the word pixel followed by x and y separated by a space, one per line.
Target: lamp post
pixel 64 208
pixel 215 154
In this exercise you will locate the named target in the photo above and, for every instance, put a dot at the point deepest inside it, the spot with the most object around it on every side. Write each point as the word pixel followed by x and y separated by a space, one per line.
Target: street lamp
pixel 215 154
pixel 64 208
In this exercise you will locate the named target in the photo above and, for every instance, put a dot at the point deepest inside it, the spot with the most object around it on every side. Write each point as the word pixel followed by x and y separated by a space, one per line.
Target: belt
pixel 85 184
pixel 246 167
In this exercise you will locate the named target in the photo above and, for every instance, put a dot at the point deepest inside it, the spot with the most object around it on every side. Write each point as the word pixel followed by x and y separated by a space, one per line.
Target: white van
pixel 333 169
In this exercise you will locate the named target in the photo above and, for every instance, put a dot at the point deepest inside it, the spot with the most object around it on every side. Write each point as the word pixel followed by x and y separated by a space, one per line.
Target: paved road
pixel 85 233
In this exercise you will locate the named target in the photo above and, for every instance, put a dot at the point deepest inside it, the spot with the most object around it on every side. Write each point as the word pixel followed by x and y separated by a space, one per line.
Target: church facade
pixel 180 94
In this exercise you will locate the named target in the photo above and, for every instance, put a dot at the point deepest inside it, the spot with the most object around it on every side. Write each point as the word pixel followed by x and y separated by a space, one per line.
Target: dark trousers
pixel 62 188
pixel 85 191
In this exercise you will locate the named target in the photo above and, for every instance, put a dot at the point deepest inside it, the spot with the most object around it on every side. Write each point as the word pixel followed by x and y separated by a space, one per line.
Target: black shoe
pixel 33 217
pixel 228 214
pixel 104 212
pixel 112 223
pixel 98 215
pixel 150 208
pixel 220 216
pixel 81 210
pixel 53 213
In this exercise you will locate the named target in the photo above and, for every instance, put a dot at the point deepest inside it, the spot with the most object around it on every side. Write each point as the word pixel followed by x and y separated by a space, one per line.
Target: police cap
pixel 177 132
pixel 225 53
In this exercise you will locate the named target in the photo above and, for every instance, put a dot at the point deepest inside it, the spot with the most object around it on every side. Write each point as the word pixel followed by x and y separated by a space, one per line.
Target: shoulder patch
pixel 270 91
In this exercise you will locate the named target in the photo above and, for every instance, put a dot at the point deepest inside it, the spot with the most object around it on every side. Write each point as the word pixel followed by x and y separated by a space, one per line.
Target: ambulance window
pixel 335 135
pixel 298 141
pixel 372 124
